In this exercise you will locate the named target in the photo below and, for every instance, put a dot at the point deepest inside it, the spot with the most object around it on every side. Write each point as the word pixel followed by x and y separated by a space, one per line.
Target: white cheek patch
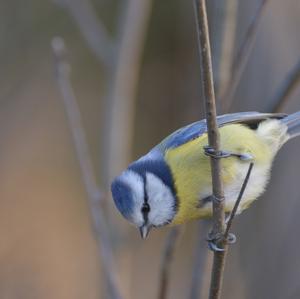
pixel 136 184
pixel 160 199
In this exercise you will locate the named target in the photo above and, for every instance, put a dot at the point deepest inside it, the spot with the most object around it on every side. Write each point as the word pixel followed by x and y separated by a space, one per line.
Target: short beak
pixel 144 231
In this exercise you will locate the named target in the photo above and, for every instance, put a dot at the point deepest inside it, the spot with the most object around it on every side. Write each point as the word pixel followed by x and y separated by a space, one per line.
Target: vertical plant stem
pixel 120 102
pixel 166 263
pixel 92 29
pixel 222 34
pixel 214 143
pixel 94 194
pixel 201 263
pixel 223 47
pixel 242 58
pixel 286 89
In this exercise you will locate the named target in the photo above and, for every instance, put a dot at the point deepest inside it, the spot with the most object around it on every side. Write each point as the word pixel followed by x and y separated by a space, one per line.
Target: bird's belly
pixel 256 185
pixel 258 180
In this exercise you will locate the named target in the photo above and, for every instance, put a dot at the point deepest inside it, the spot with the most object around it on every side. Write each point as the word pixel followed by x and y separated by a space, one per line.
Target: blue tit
pixel 172 183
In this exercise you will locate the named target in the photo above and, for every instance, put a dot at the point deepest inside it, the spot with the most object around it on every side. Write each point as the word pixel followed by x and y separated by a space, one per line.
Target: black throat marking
pixel 145 207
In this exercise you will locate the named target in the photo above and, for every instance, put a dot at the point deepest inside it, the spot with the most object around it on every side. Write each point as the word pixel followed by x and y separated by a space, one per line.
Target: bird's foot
pixel 231 239
pixel 209 151
pixel 215 240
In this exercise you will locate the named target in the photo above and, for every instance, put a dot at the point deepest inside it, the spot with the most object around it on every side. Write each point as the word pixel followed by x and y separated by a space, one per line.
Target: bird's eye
pixel 145 208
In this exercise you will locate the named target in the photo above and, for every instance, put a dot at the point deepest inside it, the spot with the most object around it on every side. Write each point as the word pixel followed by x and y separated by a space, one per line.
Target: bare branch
pixel 91 28
pixel 120 105
pixel 236 205
pixel 167 258
pixel 122 57
pixel 214 143
pixel 94 194
pixel 224 46
pixel 286 89
pixel 223 38
pixel 240 62
pixel 201 264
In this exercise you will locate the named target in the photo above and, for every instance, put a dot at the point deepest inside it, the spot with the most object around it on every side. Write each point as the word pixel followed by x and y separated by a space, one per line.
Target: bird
pixel 172 183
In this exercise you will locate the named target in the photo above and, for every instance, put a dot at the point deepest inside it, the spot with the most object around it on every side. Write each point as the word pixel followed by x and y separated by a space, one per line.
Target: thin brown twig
pixel 91 28
pixel 120 103
pixel 237 203
pixel 94 194
pixel 223 39
pixel 286 89
pixel 242 57
pixel 122 58
pixel 167 258
pixel 214 143
pixel 224 42
pixel 201 263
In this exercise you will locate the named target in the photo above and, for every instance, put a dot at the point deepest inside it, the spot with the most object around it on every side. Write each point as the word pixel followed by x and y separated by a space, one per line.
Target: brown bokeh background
pixel 47 247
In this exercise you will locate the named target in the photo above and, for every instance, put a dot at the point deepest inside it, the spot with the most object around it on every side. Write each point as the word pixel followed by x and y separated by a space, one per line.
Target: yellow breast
pixel 192 177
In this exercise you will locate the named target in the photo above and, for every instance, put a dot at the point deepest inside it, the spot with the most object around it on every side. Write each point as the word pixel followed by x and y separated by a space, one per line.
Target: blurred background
pixel 135 74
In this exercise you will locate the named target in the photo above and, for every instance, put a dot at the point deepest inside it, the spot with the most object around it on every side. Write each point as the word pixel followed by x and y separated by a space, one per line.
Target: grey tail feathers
pixel 293 123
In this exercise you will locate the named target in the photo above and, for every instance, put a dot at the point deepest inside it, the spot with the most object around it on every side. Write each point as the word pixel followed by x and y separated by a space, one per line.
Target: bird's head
pixel 145 195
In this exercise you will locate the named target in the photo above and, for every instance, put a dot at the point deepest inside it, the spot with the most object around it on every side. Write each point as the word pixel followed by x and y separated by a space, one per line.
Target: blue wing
pixel 198 128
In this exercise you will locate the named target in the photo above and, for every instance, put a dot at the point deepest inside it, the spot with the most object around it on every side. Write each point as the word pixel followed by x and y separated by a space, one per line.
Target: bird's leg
pixel 208 199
